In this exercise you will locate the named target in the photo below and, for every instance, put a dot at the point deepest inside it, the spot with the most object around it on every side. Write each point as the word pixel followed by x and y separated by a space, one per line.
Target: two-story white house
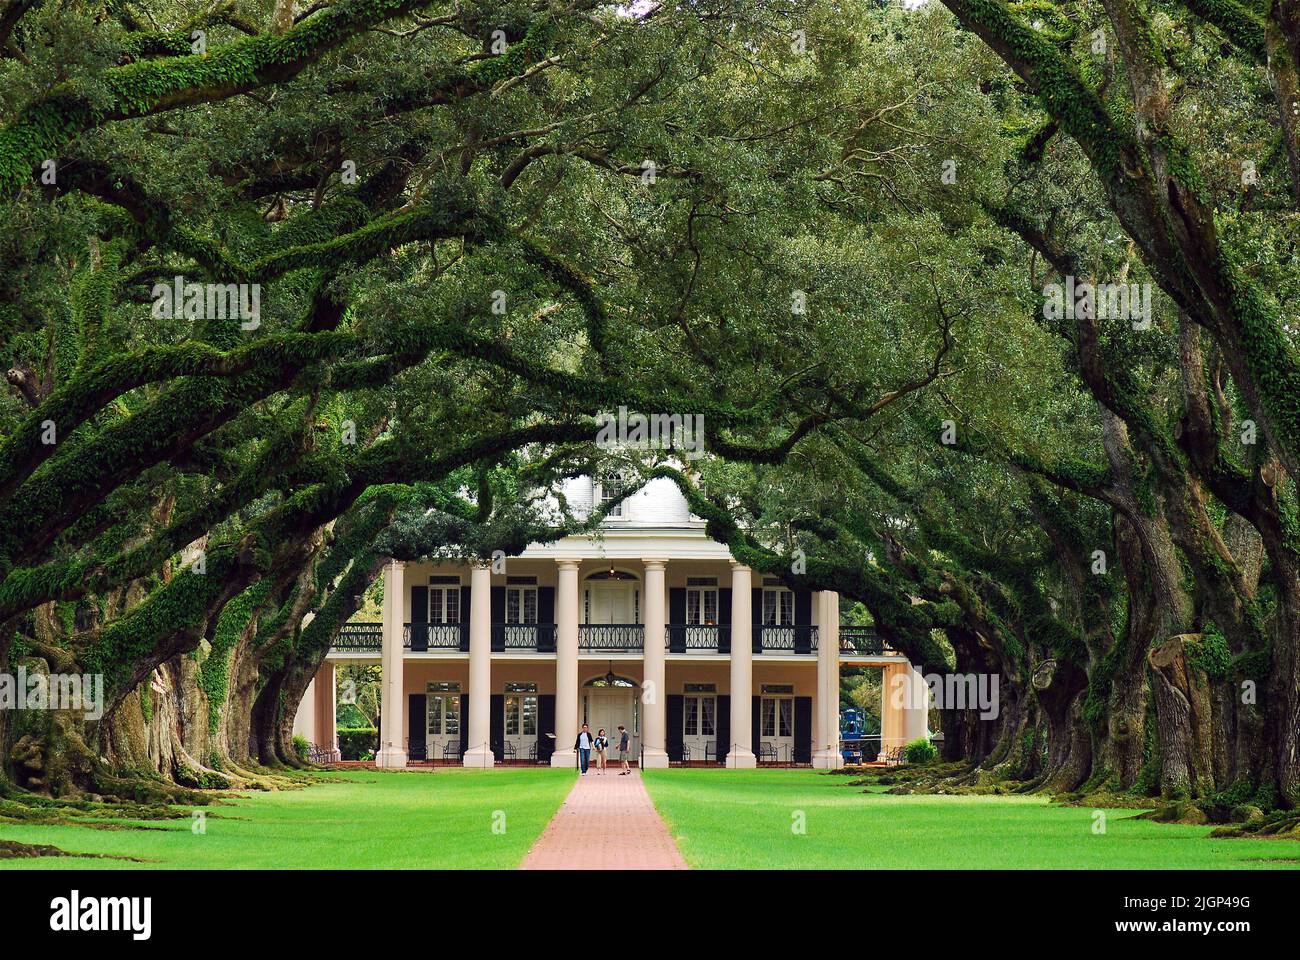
pixel 646 623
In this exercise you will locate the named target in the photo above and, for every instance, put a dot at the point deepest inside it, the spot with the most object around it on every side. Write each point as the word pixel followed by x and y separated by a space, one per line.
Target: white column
pixel 305 720
pixel 326 720
pixel 566 664
pixel 392 747
pixel 479 749
pixel 826 700
pixel 905 713
pixel 654 698
pixel 892 692
pixel 741 752
pixel 916 718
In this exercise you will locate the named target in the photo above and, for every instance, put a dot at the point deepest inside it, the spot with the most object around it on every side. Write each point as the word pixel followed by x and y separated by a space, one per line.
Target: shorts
pixel 622 754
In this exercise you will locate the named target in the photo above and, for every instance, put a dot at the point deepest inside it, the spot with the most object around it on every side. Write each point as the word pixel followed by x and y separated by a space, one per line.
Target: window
pixel 777 717
pixel 521 710
pixel 778 604
pixel 444 600
pixel 521 600
pixel 702 600
pixel 700 687
pixel 779 688
pixel 698 716
pixel 443 709
pixel 607 490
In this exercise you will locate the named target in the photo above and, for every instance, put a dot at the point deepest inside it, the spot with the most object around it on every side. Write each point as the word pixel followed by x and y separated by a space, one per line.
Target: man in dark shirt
pixel 623 743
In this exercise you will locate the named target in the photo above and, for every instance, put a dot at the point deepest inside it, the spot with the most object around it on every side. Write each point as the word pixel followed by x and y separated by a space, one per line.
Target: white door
pixel 611 603
pixel 442 711
pixel 521 722
pixel 608 707
pixel 776 725
pixel 699 724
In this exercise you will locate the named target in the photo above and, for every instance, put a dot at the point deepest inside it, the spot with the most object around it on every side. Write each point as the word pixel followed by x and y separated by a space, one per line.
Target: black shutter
pixel 673 743
pixel 545 725
pixel 464 722
pixel 722 727
pixel 803 729
pixel 419 618
pixel 416 718
pixel 676 617
pixel 546 620
pixel 803 622
pixel 756 617
pixel 497 735
pixel 724 620
pixel 497 609
pixel 464 619
pixel 756 724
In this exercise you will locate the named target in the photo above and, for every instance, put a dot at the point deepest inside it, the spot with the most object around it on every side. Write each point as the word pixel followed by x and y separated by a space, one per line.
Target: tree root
pixel 13 850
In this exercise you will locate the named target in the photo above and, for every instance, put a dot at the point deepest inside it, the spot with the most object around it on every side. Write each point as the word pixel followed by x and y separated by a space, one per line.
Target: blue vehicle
pixel 855 742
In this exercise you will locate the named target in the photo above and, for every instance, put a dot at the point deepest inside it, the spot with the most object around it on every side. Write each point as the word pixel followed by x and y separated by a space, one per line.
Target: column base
pixel 827 760
pixel 479 758
pixel 741 760
pixel 564 758
pixel 391 758
pixel 655 759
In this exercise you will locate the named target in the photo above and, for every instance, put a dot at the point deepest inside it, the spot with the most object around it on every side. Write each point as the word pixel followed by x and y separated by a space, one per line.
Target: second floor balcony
pixel 796 639
pixel 611 638
pixel 716 638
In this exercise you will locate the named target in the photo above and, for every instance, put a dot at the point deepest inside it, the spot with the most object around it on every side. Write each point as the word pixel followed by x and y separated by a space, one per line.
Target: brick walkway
pixel 606 823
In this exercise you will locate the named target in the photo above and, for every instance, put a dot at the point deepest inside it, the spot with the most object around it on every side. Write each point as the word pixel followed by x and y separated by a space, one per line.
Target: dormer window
pixel 610 488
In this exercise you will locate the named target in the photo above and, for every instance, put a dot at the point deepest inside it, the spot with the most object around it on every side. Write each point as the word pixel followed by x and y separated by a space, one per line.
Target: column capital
pixel 738 567
pixel 655 564
pixel 568 564
pixel 399 564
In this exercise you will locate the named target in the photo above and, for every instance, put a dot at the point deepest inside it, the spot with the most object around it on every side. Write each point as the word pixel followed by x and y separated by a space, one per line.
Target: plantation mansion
pixel 646 623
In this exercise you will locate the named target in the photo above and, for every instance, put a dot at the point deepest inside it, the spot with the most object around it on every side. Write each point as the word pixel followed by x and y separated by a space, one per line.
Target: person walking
pixel 601 745
pixel 623 744
pixel 583 748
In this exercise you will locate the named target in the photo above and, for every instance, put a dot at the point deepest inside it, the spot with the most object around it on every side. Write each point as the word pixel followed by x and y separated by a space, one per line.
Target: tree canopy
pixel 989 309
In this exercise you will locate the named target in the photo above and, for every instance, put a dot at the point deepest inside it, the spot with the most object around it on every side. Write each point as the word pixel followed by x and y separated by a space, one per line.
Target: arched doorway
pixel 608 701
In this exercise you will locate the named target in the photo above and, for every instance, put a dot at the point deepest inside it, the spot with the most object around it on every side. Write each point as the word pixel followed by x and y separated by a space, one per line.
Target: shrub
pixel 358 743
pixel 920 751
pixel 301 746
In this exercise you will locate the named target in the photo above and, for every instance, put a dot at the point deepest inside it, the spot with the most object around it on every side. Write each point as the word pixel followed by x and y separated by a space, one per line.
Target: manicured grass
pixel 737 819
pixel 441 820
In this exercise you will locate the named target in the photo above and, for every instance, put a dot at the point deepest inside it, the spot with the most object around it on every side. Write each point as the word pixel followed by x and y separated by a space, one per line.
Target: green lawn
pixel 743 819
pixel 442 820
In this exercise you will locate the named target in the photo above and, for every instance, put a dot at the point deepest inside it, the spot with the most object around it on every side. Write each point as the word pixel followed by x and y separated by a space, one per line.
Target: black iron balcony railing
pixel 435 636
pixel 539 637
pixel 861 640
pixel 611 637
pixel 359 638
pixel 688 637
pixel 791 638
